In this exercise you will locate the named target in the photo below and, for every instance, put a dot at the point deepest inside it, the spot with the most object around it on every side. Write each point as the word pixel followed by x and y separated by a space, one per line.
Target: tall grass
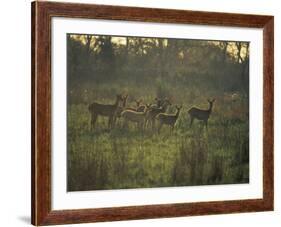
pixel 132 158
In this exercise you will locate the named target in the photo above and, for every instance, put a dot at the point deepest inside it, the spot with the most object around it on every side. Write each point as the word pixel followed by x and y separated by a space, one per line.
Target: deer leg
pixel 171 129
pixel 109 122
pixel 206 124
pixel 141 125
pixel 191 121
pixel 125 123
pixel 153 124
pixel 91 123
pixel 93 120
pixel 146 123
pixel 160 126
pixel 114 120
pixel 149 123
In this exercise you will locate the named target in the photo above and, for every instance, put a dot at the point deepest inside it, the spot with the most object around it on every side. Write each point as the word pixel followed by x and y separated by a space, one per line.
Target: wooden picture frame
pixel 42 12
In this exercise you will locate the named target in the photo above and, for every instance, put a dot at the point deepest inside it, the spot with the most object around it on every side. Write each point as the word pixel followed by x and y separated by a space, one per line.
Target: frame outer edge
pixel 33 104
pixel 41 121
pixel 41 100
pixel 268 121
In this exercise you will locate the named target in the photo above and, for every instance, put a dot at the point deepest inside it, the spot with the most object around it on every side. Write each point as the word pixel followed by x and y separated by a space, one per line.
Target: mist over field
pixel 187 73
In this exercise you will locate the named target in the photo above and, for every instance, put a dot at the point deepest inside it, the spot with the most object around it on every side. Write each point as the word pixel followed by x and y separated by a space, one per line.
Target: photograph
pixel 151 112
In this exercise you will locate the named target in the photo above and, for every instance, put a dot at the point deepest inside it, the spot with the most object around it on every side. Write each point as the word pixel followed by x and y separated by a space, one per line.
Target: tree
pixel 106 56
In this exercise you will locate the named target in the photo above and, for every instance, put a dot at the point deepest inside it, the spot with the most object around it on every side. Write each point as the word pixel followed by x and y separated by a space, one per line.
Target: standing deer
pixel 202 115
pixel 168 119
pixel 158 104
pixel 120 109
pixel 107 110
pixel 134 116
pixel 154 111
pixel 138 108
pixel 141 107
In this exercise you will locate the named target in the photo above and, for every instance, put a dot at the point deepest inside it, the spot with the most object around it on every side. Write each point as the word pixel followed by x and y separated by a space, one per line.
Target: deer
pixel 154 111
pixel 158 103
pixel 107 110
pixel 120 108
pixel 139 107
pixel 168 119
pixel 134 116
pixel 201 115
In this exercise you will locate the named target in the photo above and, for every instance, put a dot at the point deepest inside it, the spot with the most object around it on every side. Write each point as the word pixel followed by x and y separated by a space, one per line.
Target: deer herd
pixel 145 115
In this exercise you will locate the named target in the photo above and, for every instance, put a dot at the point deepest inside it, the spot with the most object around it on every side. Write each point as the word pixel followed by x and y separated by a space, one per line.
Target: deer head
pixel 147 106
pixel 124 99
pixel 138 102
pixel 158 102
pixel 119 98
pixel 211 103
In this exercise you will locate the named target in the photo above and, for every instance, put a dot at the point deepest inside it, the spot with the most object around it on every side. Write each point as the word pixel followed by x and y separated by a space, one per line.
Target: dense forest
pixel 188 73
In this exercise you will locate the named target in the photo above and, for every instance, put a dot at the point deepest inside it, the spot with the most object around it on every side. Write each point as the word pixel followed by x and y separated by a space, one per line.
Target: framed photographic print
pixel 146 113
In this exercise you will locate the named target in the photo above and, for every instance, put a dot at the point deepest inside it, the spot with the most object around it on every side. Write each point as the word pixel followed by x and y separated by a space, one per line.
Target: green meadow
pixel 129 157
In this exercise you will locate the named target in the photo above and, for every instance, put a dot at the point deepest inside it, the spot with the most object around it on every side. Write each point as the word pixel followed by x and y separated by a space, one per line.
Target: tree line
pixel 103 59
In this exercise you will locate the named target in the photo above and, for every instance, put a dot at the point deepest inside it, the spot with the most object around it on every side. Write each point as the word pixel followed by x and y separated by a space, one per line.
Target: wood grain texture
pixel 268 113
pixel 42 12
pixel 41 122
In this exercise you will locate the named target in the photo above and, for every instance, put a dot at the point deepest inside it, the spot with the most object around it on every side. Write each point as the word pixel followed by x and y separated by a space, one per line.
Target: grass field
pixel 131 158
